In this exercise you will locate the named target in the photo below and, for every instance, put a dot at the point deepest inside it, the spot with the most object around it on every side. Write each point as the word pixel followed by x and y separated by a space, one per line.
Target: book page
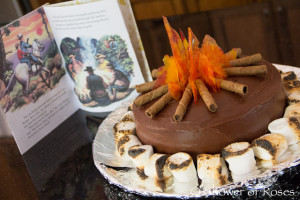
pixel 35 93
pixel 135 38
pixel 98 53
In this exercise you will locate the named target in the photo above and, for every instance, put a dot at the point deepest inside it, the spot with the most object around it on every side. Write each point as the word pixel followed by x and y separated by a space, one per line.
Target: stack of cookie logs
pixel 244 66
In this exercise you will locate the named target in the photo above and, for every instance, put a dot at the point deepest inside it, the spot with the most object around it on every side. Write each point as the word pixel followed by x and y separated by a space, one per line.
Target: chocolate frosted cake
pixel 205 109
pixel 239 118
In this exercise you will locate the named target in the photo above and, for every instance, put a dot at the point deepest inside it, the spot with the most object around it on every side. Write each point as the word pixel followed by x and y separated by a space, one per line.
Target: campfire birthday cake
pixel 206 108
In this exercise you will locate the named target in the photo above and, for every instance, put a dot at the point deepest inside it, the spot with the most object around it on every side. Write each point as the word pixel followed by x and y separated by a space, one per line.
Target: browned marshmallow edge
pixel 295 125
pixel 120 145
pixel 265 144
pixel 289 76
pixel 174 166
pixel 159 166
pixel 227 151
pixel 292 85
pixel 135 152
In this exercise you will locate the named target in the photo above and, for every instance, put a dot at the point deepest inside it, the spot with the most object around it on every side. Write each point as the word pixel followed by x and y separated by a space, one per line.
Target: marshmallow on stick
pixel 240 157
pixel 140 155
pixel 269 146
pixel 212 170
pixel 182 167
pixel 124 143
pixel 288 127
pixel 292 111
pixel 156 167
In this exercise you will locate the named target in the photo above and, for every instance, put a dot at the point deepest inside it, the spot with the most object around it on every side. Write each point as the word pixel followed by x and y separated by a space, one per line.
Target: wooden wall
pixel 148 9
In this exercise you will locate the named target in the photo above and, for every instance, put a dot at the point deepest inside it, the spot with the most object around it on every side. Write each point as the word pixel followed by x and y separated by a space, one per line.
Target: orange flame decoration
pixel 189 63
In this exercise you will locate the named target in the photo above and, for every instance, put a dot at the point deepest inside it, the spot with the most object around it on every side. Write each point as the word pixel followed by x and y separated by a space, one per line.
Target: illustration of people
pixel 102 63
pixel 75 67
pixel 97 87
pixel 106 43
pixel 22 56
pixel 24 46
pixel 112 44
pixel 115 79
pixel 79 76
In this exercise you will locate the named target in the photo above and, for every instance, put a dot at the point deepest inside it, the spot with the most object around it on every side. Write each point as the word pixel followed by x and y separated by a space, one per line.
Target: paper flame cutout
pixel 191 62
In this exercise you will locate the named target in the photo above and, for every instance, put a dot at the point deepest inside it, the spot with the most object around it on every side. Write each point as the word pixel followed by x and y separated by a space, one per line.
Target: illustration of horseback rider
pixel 24 55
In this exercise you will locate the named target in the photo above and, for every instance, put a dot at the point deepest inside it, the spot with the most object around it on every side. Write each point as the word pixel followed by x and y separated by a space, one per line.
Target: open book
pixel 64 57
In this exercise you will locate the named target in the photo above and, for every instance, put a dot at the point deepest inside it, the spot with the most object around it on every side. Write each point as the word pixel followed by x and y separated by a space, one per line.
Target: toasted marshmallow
pixel 182 167
pixel 292 111
pixel 269 146
pixel 185 188
pixel 125 127
pixel 140 155
pixel 252 174
pixel 291 86
pixel 130 107
pixel 295 148
pixel 155 185
pixel 294 97
pixel 240 157
pixel 270 163
pixel 125 142
pixel 128 116
pixel 288 127
pixel 156 167
pixel 212 170
pixel 288 76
